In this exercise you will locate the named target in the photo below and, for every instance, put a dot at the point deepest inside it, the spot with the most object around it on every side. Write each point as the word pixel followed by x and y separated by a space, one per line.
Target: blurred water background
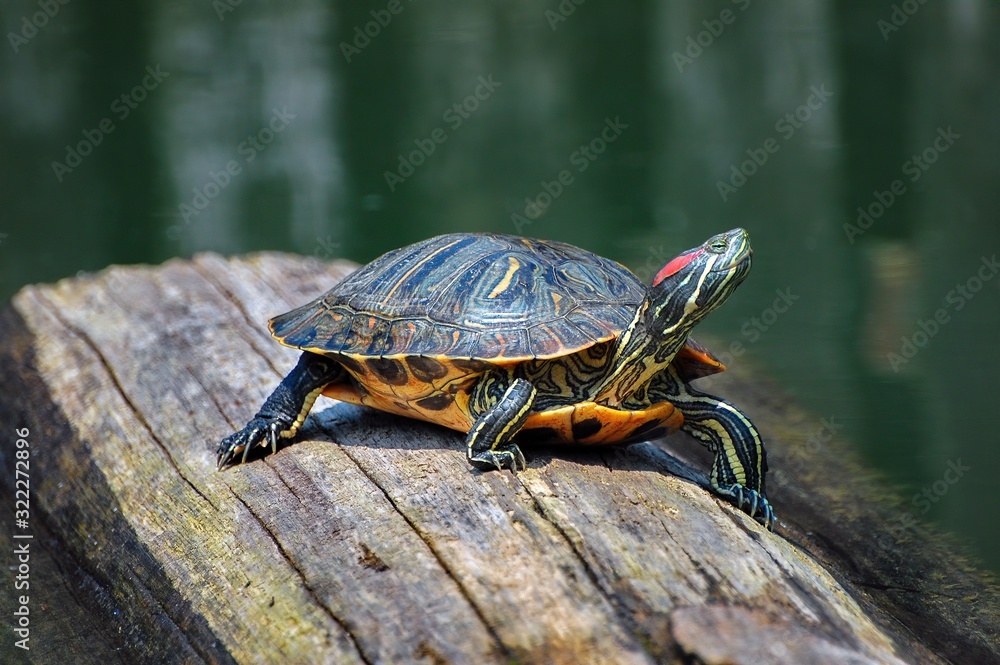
pixel 856 141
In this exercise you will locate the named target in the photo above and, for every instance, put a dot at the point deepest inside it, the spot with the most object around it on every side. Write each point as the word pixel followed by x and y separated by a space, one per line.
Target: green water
pixel 134 132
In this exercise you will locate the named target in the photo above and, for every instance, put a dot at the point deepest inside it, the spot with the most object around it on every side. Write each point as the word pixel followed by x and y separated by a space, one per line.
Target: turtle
pixel 511 339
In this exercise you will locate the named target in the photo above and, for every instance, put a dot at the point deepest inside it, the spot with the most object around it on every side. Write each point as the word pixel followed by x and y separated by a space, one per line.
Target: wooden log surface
pixel 371 540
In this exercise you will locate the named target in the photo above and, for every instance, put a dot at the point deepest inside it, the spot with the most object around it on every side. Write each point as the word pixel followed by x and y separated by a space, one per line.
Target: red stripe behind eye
pixel 675 265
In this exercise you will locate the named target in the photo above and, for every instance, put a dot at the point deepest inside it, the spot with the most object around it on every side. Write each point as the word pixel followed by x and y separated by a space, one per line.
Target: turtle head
pixel 697 281
pixel 686 289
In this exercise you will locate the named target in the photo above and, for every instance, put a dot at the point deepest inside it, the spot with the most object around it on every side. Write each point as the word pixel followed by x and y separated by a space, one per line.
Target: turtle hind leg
pixel 501 414
pixel 740 466
pixel 285 410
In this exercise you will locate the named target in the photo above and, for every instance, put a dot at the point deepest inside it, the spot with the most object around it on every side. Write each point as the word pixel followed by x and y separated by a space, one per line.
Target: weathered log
pixel 370 539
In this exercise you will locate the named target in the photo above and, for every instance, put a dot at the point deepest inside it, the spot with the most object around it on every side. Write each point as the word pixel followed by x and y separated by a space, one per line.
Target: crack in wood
pixel 829 624
pixel 592 575
pixel 211 396
pixel 230 297
pixel 90 344
pixel 343 624
pixel 428 542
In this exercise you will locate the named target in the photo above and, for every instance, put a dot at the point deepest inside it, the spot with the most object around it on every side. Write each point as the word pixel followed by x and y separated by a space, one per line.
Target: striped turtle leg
pixel 285 410
pixel 740 464
pixel 502 407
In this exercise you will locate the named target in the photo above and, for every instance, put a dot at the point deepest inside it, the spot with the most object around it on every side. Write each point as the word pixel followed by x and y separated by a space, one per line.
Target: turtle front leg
pixel 285 410
pixel 503 408
pixel 740 464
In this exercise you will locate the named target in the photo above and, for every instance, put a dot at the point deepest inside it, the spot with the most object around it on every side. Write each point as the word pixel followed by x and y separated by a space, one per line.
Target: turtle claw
pixel 260 430
pixel 751 502
pixel 503 456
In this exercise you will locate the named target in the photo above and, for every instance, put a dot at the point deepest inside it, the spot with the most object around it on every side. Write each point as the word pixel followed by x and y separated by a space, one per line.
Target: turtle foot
pixel 508 455
pixel 261 430
pixel 749 501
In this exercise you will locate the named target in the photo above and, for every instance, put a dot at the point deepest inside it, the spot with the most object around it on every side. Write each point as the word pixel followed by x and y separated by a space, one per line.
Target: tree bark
pixel 371 540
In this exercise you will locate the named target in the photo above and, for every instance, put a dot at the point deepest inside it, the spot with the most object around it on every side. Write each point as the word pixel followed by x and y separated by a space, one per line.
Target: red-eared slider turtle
pixel 501 337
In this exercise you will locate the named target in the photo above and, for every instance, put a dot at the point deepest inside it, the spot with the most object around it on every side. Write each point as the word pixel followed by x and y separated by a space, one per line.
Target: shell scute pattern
pixel 474 296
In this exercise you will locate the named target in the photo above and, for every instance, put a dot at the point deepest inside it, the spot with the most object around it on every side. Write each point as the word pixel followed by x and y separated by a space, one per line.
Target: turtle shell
pixel 481 296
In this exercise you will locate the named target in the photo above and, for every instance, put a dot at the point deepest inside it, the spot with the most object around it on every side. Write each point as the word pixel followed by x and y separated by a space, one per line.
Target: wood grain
pixel 370 539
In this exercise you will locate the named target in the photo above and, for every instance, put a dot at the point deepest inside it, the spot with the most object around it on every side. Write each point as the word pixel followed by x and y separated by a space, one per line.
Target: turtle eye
pixel 718 245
